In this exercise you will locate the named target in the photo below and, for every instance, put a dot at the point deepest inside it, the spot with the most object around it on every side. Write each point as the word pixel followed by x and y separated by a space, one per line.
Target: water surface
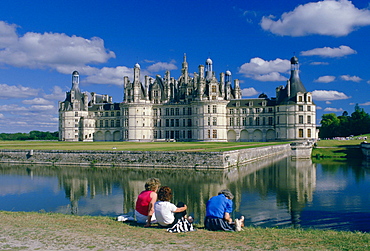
pixel 269 193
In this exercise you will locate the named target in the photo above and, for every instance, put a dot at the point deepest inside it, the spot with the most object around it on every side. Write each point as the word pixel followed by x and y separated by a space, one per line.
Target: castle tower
pixel 184 70
pixel 72 112
pixel 295 111
pixel 137 84
pixel 209 71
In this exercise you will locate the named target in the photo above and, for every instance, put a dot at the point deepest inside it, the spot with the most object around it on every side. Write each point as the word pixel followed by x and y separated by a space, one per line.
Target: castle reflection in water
pixel 292 182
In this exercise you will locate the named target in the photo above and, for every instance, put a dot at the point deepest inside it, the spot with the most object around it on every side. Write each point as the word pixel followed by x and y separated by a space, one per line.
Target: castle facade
pixel 198 108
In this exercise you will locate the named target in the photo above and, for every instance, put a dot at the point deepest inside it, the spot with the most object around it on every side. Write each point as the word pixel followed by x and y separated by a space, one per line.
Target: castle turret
pixel 137 84
pixel 184 70
pixel 295 81
pixel 209 70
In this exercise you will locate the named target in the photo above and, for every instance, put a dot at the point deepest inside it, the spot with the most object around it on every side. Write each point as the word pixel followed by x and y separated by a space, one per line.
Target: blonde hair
pixel 152 184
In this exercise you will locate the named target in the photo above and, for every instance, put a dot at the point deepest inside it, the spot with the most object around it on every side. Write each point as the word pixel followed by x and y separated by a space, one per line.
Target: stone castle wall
pixel 151 159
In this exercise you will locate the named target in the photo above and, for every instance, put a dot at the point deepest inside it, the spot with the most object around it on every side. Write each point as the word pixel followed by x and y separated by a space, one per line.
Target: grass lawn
pixel 133 146
pixel 339 148
pixel 47 231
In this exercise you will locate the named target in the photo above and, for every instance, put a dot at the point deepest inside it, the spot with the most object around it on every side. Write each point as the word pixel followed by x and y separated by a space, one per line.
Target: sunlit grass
pixel 132 146
pixel 339 148
pixel 58 231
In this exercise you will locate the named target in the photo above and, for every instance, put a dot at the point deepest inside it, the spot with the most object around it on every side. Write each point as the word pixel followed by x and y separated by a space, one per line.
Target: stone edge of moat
pixel 142 159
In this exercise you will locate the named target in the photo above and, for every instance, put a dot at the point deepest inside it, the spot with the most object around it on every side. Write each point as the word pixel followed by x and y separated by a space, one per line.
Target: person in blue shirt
pixel 218 211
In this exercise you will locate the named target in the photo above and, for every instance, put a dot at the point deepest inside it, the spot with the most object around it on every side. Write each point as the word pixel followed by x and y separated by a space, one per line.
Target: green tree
pixel 360 121
pixel 33 135
pixel 329 126
pixel 343 126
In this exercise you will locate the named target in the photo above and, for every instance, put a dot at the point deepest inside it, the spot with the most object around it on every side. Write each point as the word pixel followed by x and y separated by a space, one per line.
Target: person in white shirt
pixel 166 213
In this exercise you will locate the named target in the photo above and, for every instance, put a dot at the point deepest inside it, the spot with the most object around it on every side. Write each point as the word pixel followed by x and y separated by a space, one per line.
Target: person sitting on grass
pixel 218 210
pixel 171 216
pixel 166 213
pixel 144 210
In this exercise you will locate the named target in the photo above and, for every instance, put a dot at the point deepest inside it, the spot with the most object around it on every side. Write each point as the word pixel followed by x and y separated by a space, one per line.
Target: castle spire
pixel 184 70
pixel 295 81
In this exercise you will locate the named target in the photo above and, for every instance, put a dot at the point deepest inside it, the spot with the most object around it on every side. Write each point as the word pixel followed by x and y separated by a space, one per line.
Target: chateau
pixel 198 108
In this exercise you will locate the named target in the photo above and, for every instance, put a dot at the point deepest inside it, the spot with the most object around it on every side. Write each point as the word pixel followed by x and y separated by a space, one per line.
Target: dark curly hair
pixel 165 193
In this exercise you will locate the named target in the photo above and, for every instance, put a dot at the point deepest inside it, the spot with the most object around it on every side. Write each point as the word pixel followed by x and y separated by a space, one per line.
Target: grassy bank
pixel 132 146
pixel 44 231
pixel 339 148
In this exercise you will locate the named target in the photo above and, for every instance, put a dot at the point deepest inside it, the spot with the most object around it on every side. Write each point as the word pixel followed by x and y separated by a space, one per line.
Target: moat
pixel 269 193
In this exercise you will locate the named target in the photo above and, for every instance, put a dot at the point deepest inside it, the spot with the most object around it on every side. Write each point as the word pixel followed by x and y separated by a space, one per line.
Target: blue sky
pixel 43 42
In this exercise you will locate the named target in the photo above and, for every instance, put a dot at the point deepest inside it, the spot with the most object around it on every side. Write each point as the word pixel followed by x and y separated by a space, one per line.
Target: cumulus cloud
pixel 1 116
pixel 108 75
pixel 319 63
pixel 36 101
pixel 350 78
pixel 42 108
pixel 36 50
pixel 341 51
pixel 365 104
pixel 325 79
pixel 162 66
pixel 19 91
pixel 12 108
pixel 33 117
pixel 331 109
pixel 331 18
pixel 247 92
pixel 57 94
pixel 262 70
pixel 324 95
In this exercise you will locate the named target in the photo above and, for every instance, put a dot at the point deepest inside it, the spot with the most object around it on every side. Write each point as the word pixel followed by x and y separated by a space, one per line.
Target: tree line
pixel 343 126
pixel 32 135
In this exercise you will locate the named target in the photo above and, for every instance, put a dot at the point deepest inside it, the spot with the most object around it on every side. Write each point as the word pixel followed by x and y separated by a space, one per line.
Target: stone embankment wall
pixel 153 159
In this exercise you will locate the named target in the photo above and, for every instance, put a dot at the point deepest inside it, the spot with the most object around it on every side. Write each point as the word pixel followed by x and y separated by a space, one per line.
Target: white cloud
pixel 12 108
pixel 328 102
pixel 350 78
pixel 36 101
pixel 247 92
pixel 12 91
pixel 42 108
pixel 325 79
pixel 57 94
pixel 341 51
pixel 36 50
pixel 331 109
pixel 162 66
pixel 108 75
pixel 37 117
pixel 319 63
pixel 366 104
pixel 273 76
pixel 324 95
pixel 7 34
pixel 332 18
pixel 262 70
pixel 1 116
pixel 368 82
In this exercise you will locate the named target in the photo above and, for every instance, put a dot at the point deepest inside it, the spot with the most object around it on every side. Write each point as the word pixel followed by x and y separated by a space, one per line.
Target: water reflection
pixel 270 192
